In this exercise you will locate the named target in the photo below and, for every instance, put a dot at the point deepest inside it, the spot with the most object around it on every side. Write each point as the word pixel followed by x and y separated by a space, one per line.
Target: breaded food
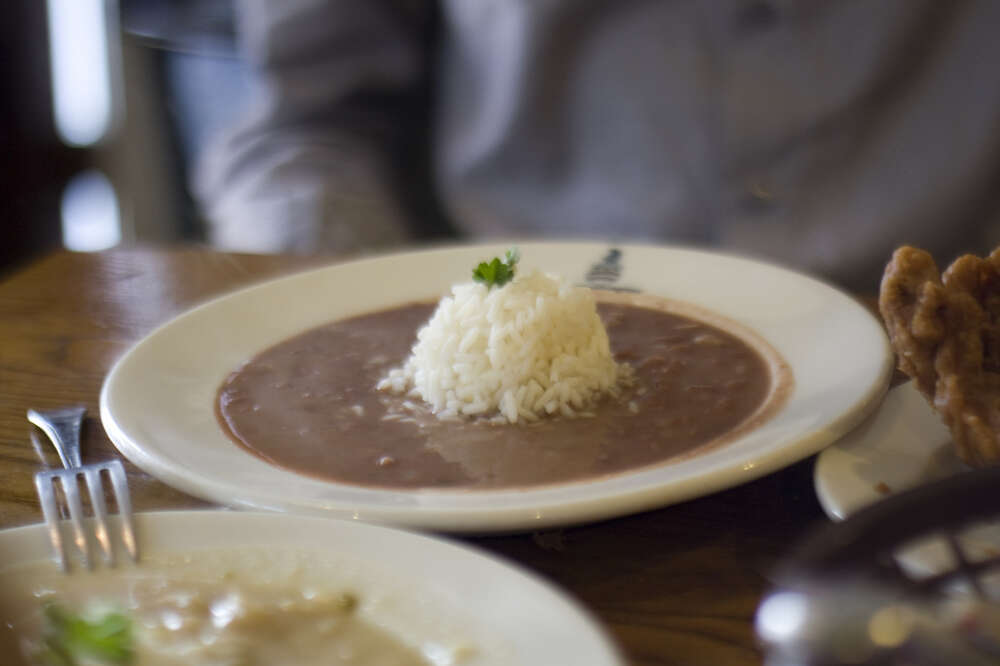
pixel 946 333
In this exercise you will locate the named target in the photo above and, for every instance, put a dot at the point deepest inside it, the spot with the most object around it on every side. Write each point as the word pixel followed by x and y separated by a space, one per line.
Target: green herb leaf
pixel 496 272
pixel 71 638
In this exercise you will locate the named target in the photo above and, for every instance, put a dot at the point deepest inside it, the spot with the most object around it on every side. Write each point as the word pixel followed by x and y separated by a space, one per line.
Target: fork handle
pixel 62 426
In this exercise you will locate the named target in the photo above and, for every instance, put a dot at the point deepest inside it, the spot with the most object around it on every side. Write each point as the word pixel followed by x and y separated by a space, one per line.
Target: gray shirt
pixel 819 134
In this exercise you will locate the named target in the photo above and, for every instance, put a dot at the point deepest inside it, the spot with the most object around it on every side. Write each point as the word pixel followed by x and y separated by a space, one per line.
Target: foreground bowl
pixel 431 594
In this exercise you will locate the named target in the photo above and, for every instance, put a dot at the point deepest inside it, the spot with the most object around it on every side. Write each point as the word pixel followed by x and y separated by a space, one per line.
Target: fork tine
pixel 96 488
pixel 72 492
pixel 120 484
pixel 47 497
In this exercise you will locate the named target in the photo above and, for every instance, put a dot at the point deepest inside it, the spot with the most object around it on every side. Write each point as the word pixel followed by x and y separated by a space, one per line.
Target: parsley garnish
pixel 497 272
pixel 70 640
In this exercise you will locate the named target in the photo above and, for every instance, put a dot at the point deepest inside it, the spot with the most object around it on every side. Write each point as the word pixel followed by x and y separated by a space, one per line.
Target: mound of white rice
pixel 516 353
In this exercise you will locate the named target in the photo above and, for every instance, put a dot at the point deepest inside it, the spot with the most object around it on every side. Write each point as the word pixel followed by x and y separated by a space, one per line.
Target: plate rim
pixel 838 505
pixel 458 519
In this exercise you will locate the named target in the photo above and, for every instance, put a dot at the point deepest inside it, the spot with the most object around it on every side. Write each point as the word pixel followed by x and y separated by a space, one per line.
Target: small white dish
pixel 158 402
pixel 434 595
pixel 902 445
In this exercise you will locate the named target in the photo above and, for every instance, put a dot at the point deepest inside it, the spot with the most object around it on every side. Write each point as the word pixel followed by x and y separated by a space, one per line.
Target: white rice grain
pixel 533 347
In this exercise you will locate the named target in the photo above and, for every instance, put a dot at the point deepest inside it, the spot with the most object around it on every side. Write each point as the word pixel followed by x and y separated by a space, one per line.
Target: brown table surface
pixel 673 586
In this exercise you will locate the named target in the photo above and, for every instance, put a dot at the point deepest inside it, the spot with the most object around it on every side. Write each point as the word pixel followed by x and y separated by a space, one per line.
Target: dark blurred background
pixel 100 122
pixel 820 135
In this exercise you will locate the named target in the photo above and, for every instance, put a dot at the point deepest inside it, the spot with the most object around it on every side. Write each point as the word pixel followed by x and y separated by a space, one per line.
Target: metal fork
pixel 62 426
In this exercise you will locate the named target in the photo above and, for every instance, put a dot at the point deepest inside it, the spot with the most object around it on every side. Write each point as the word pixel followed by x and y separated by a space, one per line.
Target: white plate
pixel 433 594
pixel 902 445
pixel 157 403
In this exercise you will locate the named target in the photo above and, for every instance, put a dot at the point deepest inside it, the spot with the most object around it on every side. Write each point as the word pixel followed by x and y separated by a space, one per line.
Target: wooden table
pixel 673 586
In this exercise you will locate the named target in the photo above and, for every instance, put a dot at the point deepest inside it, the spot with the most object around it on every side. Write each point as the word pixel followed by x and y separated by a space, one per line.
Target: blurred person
pixel 817 133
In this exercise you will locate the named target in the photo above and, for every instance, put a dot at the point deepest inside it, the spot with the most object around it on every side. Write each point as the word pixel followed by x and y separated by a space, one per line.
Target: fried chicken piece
pixel 946 333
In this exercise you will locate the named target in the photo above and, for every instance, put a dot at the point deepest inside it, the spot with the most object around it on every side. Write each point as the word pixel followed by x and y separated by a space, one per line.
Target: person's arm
pixel 310 166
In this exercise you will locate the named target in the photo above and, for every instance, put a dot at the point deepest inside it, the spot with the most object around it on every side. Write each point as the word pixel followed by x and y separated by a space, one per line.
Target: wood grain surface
pixel 673 586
